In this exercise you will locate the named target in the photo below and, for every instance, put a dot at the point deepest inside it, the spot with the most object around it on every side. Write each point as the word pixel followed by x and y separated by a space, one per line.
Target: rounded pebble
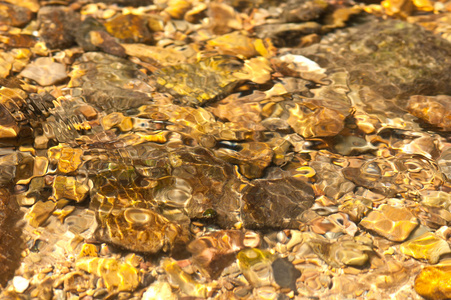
pixel 20 284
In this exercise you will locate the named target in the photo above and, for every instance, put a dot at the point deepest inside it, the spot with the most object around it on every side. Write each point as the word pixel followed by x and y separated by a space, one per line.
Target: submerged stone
pixel 346 251
pixel 139 230
pixel 391 222
pixel 375 55
pixel 214 251
pixel 434 282
pixel 198 83
pixel 10 236
pixel 275 203
pixel 285 274
pixel 56 25
pixel 435 111
pixel 255 264
pixel 45 71
pixel 117 276
pixel 129 29
pixel 427 246
pixel 14 15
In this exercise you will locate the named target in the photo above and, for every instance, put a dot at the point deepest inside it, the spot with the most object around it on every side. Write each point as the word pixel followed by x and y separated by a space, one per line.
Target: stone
pixel 275 203
pixel 70 188
pixel 213 251
pixel 129 29
pixel 117 276
pixel 285 274
pixel 391 222
pixel 388 68
pixel 20 284
pixel 255 264
pixel 18 40
pixel 434 110
pixel 346 251
pixel 313 118
pixel 427 246
pixel 436 199
pixel 433 282
pixel 185 281
pixel 159 291
pixel 253 158
pixel 11 244
pixel 233 43
pixel 216 79
pixel 14 15
pixel 40 212
pixel 56 25
pixel 138 229
pixel 45 71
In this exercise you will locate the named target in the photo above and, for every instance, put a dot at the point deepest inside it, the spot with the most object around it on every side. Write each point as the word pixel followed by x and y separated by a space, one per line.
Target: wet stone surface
pixel 184 149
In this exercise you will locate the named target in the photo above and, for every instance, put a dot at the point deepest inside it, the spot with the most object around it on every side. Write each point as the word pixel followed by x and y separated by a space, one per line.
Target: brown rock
pixel 129 29
pixel 434 110
pixel 56 25
pixel 10 242
pixel 13 15
pixel 275 203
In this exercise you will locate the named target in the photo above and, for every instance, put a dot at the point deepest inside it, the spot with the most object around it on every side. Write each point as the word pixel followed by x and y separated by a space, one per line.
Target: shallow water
pixel 225 150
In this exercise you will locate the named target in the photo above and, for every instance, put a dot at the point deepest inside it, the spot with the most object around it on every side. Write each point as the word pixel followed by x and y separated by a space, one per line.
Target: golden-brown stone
pixel 129 29
pixel 40 212
pixel 347 250
pixel 202 81
pixel 88 250
pixel 252 159
pixel 234 43
pixel 215 250
pixel 10 236
pixel 312 119
pixel 177 8
pixel 434 110
pixel 138 229
pixel 13 15
pixel 256 69
pixel 434 282
pixel 391 222
pixel 69 187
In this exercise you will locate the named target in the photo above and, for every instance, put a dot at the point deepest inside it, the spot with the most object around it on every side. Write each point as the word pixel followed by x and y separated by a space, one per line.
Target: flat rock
pixel 45 71
pixel 391 222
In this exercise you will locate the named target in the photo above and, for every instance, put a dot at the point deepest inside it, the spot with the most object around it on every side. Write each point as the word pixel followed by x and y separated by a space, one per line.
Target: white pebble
pixel 20 284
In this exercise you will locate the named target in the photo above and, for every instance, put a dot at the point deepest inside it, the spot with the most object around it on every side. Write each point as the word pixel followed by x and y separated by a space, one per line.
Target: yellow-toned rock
pixel 233 43
pixel 40 212
pixel 315 119
pixel 434 282
pixel 117 276
pixel 256 69
pixel 68 159
pixel 70 188
pixel 427 246
pixel 185 281
pixel 88 250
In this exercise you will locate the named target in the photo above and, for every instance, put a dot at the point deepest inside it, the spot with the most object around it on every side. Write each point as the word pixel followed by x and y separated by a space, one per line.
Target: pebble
pixel 20 284
pixel 434 282
pixel 45 71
